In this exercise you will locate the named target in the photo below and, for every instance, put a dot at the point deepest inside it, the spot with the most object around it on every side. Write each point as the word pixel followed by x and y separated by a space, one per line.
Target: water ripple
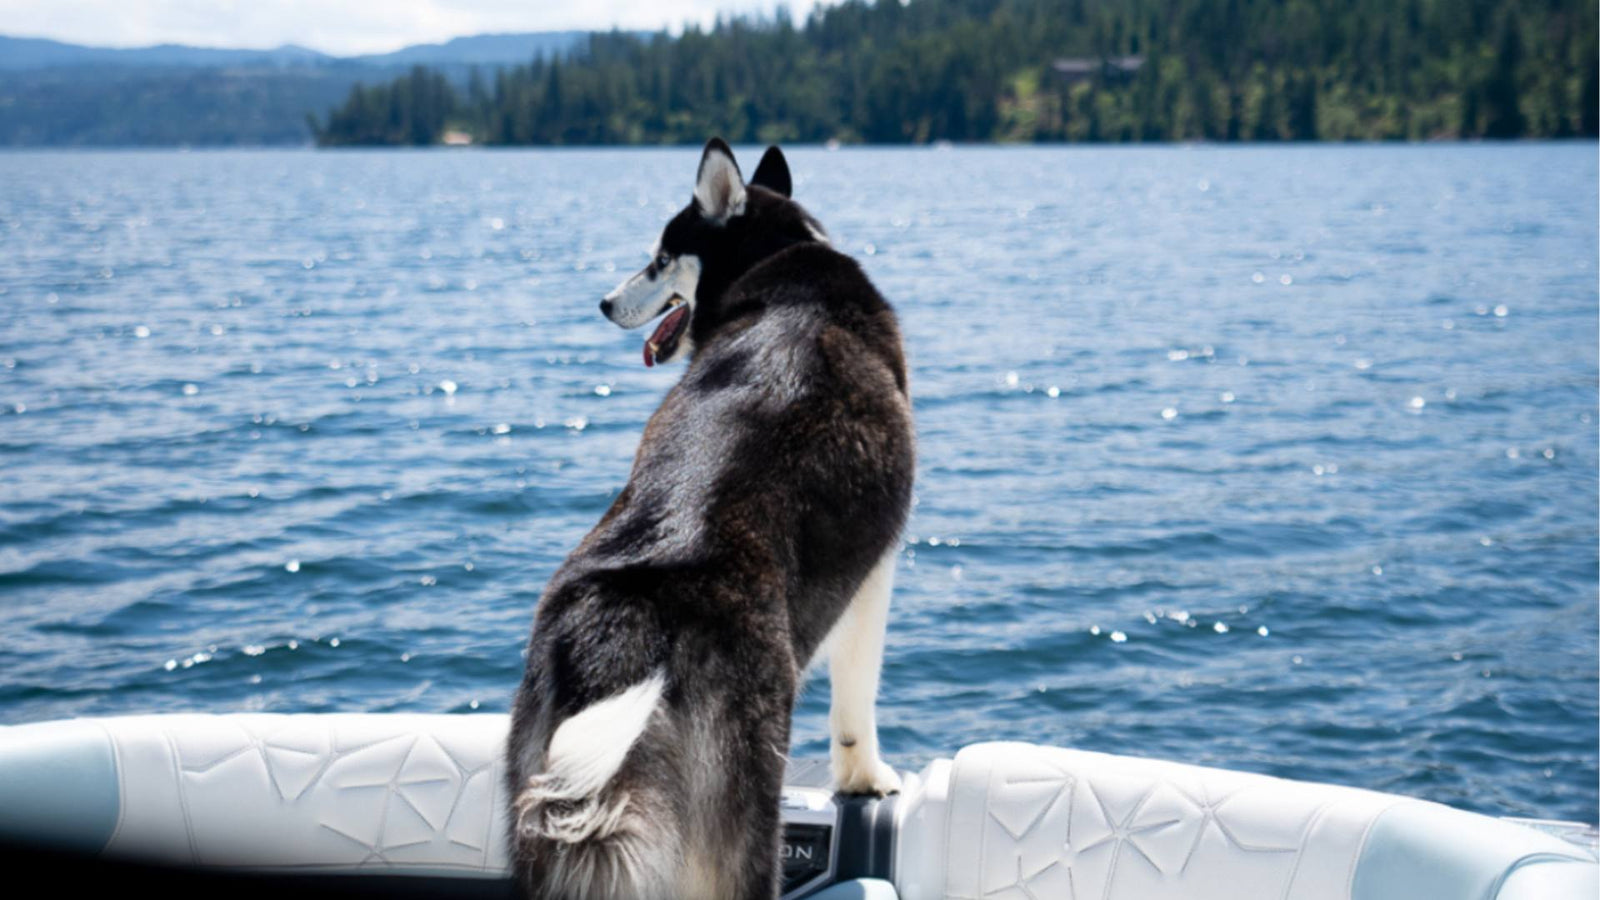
pixel 1266 482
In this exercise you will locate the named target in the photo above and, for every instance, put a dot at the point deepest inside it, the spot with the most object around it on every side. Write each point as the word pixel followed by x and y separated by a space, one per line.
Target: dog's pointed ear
pixel 719 188
pixel 773 173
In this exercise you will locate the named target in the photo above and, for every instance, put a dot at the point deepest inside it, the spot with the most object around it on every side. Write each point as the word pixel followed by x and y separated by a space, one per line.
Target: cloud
pixel 343 26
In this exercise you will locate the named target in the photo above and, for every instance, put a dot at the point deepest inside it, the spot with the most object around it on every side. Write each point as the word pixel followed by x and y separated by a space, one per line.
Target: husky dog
pixel 760 523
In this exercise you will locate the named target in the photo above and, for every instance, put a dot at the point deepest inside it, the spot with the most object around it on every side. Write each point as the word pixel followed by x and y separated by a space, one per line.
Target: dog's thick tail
pixel 586 834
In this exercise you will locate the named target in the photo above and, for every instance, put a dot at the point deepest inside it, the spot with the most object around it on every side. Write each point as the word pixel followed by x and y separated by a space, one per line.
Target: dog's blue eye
pixel 662 261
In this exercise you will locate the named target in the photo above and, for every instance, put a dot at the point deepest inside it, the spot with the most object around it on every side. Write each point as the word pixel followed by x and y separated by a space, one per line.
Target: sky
pixel 343 27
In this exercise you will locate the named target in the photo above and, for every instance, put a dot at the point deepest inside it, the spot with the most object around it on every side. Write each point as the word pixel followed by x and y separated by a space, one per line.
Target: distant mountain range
pixel 482 50
pixel 57 94
pixel 21 53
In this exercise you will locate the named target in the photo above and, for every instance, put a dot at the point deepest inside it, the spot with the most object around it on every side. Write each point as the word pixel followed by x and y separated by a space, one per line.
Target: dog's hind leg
pixel 733 828
pixel 855 656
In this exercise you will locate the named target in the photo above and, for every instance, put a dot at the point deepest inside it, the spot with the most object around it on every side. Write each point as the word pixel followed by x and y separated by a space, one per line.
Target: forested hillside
pixel 1034 70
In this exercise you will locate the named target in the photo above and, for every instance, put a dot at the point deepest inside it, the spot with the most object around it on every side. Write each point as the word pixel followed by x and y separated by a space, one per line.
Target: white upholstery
pixel 1547 881
pixel 399 793
pixel 1020 822
pixel 418 794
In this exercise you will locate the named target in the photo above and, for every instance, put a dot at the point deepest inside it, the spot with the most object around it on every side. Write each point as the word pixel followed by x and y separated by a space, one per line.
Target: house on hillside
pixel 1114 70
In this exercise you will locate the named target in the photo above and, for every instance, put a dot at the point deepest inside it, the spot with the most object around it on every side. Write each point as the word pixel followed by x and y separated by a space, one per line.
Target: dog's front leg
pixel 855 655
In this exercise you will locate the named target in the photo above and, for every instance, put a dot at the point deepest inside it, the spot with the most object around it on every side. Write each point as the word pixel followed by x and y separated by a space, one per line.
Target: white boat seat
pixel 423 795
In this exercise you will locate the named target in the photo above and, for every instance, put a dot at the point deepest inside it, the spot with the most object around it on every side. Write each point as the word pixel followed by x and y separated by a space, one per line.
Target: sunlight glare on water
pixel 1276 458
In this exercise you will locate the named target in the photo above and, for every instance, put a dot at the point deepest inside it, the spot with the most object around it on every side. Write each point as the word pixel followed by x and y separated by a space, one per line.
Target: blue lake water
pixel 1281 459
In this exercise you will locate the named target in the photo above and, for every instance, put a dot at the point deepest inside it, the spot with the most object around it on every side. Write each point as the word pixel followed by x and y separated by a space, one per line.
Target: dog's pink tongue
pixel 663 333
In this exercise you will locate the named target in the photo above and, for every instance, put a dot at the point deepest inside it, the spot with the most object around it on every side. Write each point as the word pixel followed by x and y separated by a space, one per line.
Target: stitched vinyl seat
pixel 423 795
pixel 1017 821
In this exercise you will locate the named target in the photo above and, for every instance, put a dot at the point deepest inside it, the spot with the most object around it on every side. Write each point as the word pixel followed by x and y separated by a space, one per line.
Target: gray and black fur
pixel 771 481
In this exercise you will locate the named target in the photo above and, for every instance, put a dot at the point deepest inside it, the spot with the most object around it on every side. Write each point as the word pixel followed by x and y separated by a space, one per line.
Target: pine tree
pixel 895 72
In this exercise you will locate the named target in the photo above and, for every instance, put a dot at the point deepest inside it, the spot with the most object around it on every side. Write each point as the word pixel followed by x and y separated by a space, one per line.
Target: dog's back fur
pixel 651 728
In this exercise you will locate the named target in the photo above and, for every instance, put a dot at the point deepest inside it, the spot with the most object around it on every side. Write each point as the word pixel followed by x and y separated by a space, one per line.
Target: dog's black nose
pixel 605 307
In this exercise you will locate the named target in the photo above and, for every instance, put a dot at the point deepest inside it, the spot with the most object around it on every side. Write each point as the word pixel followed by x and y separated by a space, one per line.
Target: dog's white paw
pixel 862 773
